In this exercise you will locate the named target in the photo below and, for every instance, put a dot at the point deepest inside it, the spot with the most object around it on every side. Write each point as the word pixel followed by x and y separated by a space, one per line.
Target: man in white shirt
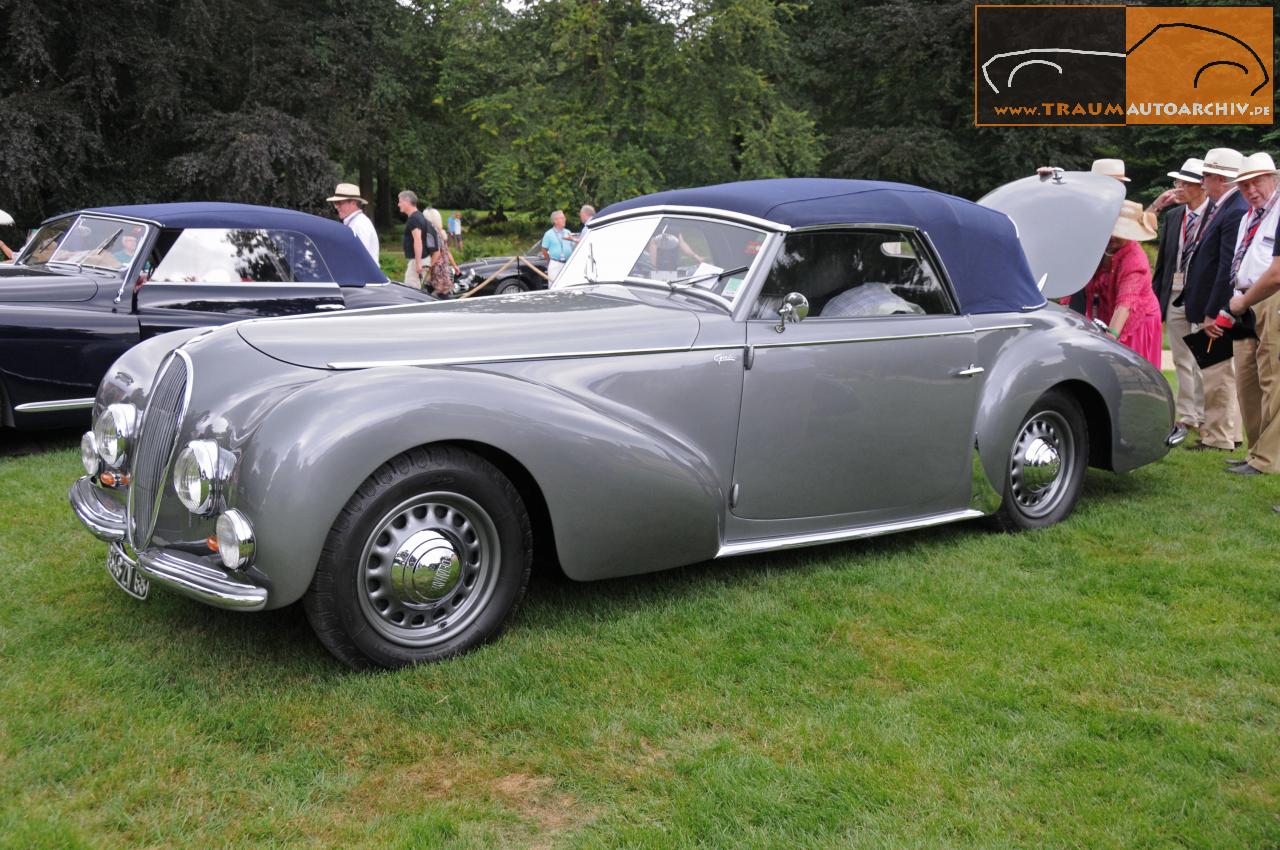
pixel 1257 361
pixel 347 201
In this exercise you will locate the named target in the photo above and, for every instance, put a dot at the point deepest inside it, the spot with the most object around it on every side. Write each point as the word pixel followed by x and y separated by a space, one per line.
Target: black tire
pixel 1044 474
pixel 510 286
pixel 429 559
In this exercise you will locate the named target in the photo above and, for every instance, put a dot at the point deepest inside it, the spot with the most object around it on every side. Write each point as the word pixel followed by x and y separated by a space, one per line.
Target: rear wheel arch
pixel 1097 419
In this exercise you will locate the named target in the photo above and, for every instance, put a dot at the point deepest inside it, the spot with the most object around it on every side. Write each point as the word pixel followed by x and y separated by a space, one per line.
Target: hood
pixel 1064 223
pixel 27 284
pixel 579 321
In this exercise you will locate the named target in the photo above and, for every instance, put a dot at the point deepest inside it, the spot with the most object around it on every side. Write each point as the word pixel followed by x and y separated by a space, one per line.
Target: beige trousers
pixel 411 276
pixel 1260 378
pixel 1190 407
pixel 1221 412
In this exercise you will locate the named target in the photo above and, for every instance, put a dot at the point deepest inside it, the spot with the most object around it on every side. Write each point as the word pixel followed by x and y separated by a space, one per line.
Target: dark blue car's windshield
pixel 86 241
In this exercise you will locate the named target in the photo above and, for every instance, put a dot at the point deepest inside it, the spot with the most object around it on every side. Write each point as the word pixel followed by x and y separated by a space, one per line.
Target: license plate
pixel 124 571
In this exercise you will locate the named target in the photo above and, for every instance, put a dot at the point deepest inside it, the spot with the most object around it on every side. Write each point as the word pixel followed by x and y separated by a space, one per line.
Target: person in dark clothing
pixel 420 240
pixel 1179 228
pixel 1208 290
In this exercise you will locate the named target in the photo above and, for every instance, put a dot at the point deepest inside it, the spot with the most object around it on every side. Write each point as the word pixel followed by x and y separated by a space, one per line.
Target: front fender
pixel 623 498
pixel 1107 378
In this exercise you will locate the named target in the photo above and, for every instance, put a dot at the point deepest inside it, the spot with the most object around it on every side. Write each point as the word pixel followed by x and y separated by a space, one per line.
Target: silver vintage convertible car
pixel 732 369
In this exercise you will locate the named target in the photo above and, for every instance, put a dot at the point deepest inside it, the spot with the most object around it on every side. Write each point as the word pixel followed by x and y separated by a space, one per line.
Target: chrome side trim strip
pixel 625 352
pixel 105 520
pixel 708 212
pixel 191 577
pixel 795 541
pixel 52 406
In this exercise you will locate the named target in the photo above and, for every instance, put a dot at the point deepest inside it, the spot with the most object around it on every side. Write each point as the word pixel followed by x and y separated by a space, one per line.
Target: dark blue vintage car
pixel 91 284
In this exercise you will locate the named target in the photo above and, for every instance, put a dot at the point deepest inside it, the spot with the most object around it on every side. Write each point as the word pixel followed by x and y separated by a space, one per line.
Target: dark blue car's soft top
pixel 346 257
pixel 979 246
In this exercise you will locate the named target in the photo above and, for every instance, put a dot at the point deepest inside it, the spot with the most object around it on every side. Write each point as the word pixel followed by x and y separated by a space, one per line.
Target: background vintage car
pixel 514 274
pixel 735 369
pixel 90 284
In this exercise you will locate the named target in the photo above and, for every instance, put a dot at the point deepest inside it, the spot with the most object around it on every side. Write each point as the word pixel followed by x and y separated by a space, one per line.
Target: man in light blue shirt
pixel 557 245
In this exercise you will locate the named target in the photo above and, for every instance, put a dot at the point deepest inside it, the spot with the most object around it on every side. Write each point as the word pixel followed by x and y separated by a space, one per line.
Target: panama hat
pixel 1255 165
pixel 346 192
pixel 1192 171
pixel 1224 162
pixel 1109 168
pixel 1133 224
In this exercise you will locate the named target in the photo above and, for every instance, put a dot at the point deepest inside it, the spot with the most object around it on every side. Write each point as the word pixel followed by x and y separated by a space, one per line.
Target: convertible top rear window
pixel 217 255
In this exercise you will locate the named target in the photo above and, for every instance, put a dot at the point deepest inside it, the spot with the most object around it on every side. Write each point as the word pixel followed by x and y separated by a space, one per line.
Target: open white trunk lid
pixel 1064 221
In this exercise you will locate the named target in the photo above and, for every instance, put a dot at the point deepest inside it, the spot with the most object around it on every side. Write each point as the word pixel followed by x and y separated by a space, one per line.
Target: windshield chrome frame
pixel 771 229
pixel 742 313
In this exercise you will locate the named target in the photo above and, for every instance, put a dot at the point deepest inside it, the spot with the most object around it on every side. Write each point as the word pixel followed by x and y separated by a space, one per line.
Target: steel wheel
pixel 1042 461
pixel 428 559
pixel 428 569
pixel 1046 466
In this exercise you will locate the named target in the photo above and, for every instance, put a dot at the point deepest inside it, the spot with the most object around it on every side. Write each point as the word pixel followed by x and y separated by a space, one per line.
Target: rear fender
pixel 1117 389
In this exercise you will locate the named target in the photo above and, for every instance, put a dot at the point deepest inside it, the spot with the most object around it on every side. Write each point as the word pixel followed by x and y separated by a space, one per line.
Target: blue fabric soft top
pixel 346 257
pixel 978 246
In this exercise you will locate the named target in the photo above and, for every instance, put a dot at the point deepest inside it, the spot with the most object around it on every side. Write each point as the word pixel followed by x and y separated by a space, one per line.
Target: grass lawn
pixel 1113 682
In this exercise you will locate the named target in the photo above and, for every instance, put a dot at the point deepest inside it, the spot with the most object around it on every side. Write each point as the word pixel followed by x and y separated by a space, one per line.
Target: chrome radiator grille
pixel 154 451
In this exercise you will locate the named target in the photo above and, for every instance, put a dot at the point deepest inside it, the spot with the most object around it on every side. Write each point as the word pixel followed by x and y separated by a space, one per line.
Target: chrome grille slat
pixel 154 453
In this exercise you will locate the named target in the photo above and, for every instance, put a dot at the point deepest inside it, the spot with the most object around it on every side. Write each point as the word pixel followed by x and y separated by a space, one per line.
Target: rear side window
pixel 854 274
pixel 215 255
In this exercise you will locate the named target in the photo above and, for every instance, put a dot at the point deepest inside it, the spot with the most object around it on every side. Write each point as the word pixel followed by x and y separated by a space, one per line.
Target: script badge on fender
pixel 125 573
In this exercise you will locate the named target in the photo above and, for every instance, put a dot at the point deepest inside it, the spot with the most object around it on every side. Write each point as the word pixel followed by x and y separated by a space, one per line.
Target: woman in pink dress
pixel 1120 293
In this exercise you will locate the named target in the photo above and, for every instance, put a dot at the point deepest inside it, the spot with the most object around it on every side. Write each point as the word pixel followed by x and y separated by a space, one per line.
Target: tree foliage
pixel 474 103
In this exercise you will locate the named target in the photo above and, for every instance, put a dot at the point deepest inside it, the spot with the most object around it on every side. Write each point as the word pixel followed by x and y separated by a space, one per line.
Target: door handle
pixel 969 372
pixel 331 306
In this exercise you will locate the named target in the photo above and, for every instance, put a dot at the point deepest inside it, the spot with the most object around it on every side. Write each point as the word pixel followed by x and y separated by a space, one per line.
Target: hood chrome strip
pixel 52 406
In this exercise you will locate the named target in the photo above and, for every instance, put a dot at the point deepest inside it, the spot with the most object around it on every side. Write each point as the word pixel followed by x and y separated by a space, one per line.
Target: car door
pixel 863 410
pixel 210 276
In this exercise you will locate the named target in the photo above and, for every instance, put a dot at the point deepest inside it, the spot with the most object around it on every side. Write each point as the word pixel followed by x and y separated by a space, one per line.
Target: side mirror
pixel 795 307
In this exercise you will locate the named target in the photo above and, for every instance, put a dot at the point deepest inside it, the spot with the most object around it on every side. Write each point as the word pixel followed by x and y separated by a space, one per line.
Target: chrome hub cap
pixel 428 569
pixel 1042 463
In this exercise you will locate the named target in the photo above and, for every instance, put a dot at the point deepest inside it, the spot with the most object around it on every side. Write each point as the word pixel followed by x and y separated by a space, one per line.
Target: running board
pixel 795 541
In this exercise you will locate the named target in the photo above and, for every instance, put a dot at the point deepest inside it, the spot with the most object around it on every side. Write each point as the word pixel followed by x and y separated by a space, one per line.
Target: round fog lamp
pixel 113 431
pixel 235 540
pixel 89 453
pixel 195 476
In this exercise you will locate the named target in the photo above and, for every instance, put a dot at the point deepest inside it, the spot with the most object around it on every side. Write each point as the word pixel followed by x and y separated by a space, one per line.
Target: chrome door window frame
pixel 743 313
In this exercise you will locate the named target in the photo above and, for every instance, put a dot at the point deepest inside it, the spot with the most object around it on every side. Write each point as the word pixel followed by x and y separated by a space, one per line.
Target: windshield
pixel 102 243
pixel 674 250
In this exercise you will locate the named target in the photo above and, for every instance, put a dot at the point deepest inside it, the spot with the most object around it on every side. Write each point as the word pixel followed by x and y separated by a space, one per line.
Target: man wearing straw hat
pixel 1208 289
pixel 1257 360
pixel 347 201
pixel 1178 230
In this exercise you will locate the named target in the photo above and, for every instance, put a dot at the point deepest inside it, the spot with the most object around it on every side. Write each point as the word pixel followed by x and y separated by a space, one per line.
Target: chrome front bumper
pixel 180 571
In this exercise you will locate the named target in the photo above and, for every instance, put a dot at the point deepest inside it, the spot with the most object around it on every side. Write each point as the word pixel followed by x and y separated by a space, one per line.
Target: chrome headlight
pixel 113 431
pixel 89 453
pixel 198 476
pixel 235 540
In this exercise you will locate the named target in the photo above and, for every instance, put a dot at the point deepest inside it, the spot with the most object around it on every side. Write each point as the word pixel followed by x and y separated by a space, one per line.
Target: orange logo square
pixel 1199 65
